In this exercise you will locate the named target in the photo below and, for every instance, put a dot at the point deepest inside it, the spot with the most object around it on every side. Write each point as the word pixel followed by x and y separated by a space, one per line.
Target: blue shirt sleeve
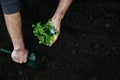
pixel 10 6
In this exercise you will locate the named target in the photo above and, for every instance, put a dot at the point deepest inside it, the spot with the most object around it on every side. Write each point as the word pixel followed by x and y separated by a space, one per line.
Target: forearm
pixel 62 8
pixel 13 23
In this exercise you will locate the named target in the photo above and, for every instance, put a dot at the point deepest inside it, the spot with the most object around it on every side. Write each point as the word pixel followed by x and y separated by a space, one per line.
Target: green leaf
pixel 44 32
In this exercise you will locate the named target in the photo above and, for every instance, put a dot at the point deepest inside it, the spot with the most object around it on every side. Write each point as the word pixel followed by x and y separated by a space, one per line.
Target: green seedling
pixel 45 33
pixel 31 58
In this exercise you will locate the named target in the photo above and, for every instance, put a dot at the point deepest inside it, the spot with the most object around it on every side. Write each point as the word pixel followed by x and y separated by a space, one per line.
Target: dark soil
pixel 88 47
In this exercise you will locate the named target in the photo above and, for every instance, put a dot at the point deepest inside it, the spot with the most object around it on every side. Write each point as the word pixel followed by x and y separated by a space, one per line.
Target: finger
pixel 25 61
pixel 25 58
pixel 22 61
pixel 54 40
pixel 16 59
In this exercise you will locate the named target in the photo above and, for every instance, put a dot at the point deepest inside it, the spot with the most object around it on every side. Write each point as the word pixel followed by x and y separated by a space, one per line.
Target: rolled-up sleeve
pixel 10 6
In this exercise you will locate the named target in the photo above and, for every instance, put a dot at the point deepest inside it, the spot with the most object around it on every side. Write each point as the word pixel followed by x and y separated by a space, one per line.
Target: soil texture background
pixel 88 47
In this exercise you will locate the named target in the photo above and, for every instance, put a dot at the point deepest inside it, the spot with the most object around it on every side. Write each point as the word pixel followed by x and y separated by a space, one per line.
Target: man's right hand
pixel 20 56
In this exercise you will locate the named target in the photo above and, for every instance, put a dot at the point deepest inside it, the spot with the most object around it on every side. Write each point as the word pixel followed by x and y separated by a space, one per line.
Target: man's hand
pixel 20 56
pixel 56 23
pixel 59 14
pixel 13 22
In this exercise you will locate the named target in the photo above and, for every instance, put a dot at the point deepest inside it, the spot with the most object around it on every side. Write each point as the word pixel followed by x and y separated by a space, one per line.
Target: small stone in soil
pixel 107 25
pixel 73 52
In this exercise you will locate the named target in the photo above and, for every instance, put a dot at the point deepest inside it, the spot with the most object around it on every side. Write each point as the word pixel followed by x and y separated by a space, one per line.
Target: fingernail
pixel 20 62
